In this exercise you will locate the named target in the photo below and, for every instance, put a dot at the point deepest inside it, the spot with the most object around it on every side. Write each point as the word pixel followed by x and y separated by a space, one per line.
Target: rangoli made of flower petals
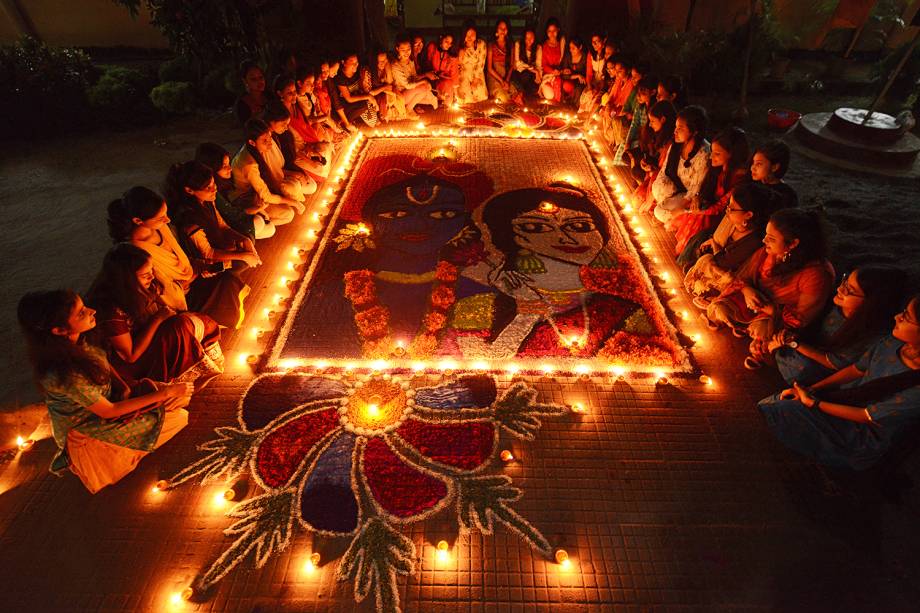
pixel 358 458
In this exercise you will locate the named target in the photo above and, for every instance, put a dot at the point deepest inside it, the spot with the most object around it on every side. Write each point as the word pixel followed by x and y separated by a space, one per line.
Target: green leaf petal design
pixel 228 456
pixel 517 412
pixel 481 500
pixel 265 525
pixel 373 560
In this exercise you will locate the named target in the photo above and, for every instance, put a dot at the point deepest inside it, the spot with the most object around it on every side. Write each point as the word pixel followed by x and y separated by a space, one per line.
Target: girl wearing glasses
pixel 863 306
pixel 853 417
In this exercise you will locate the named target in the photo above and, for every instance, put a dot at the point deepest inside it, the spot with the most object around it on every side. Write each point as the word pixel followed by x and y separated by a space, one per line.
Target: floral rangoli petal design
pixel 468 392
pixel 282 451
pixel 327 502
pixel 399 489
pixel 275 394
pixel 464 445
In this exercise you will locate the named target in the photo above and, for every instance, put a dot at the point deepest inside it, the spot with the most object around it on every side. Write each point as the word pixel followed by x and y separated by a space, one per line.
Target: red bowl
pixel 782 119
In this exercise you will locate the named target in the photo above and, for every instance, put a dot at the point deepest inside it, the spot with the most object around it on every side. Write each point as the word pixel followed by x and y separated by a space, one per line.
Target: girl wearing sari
pixel 313 154
pixel 528 59
pixel 139 217
pixel 783 286
pixel 574 72
pixel 145 338
pixel 103 426
pixel 728 156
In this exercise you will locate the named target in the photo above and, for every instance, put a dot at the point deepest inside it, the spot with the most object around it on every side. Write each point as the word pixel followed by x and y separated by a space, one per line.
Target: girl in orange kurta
pixel 784 285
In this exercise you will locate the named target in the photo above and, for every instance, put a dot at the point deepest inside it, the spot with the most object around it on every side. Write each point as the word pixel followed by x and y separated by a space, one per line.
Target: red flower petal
pixel 282 451
pixel 464 445
pixel 398 488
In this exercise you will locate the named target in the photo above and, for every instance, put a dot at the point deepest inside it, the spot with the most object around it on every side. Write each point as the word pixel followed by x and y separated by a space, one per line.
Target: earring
pixel 786 255
pixel 529 263
pixel 604 259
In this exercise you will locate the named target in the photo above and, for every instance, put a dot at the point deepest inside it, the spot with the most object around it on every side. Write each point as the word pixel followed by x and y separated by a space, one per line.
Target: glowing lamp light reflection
pixel 562 559
pixel 219 501
pixel 310 566
pixel 506 455
pixel 443 552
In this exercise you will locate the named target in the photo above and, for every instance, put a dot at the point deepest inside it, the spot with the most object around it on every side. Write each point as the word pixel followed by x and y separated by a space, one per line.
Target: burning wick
pixel 311 563
pixel 562 558
pixel 443 551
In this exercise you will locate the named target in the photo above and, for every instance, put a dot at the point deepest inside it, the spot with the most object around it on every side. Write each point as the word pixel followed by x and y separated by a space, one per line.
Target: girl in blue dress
pixel 864 304
pixel 856 415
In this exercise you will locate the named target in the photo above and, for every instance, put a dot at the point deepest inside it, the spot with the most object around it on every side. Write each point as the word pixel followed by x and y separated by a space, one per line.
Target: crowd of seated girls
pixel 758 266
pixel 118 364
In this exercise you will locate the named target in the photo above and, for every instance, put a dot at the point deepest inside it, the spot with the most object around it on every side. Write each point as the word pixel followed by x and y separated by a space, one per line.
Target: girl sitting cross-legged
pixel 864 304
pixel 190 195
pixel 145 338
pixel 855 416
pixel 784 285
pixel 103 425
pixel 738 236
pixel 140 217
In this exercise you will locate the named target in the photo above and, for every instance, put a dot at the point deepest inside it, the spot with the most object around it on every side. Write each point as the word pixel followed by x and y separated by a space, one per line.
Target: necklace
pixel 406 278
pixel 373 318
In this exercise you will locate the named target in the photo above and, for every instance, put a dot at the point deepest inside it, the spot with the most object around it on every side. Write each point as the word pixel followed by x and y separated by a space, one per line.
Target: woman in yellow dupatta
pixel 140 217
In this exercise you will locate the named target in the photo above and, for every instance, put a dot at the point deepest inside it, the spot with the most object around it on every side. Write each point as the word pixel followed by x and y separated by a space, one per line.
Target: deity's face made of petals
pixel 418 220
pixel 558 233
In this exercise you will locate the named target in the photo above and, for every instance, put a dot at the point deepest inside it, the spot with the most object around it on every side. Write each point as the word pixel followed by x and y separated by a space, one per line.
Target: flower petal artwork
pixel 359 458
pixel 509 248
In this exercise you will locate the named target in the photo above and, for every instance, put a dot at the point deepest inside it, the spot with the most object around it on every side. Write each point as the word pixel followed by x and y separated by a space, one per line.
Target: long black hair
pixel 212 155
pixel 805 226
pixel 53 355
pixel 116 285
pixel 499 211
pixel 666 110
pixel 883 288
pixel 139 202
pixel 192 174
pixel 757 199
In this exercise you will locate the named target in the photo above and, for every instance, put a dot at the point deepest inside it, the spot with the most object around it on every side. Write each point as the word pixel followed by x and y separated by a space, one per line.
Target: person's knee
pixel 266 231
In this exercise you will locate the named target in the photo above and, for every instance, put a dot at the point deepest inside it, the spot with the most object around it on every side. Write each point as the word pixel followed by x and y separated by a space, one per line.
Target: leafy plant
pixel 119 89
pixel 42 88
pixel 174 97
pixel 206 33
pixel 176 69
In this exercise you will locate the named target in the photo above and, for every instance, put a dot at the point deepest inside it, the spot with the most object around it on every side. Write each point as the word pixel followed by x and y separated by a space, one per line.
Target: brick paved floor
pixel 667 498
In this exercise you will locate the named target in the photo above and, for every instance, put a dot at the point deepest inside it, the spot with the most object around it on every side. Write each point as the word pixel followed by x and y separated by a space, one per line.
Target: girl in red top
pixel 553 48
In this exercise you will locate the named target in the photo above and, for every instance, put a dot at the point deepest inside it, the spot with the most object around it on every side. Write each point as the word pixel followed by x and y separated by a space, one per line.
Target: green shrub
pixel 176 69
pixel 42 89
pixel 214 90
pixel 119 89
pixel 174 97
